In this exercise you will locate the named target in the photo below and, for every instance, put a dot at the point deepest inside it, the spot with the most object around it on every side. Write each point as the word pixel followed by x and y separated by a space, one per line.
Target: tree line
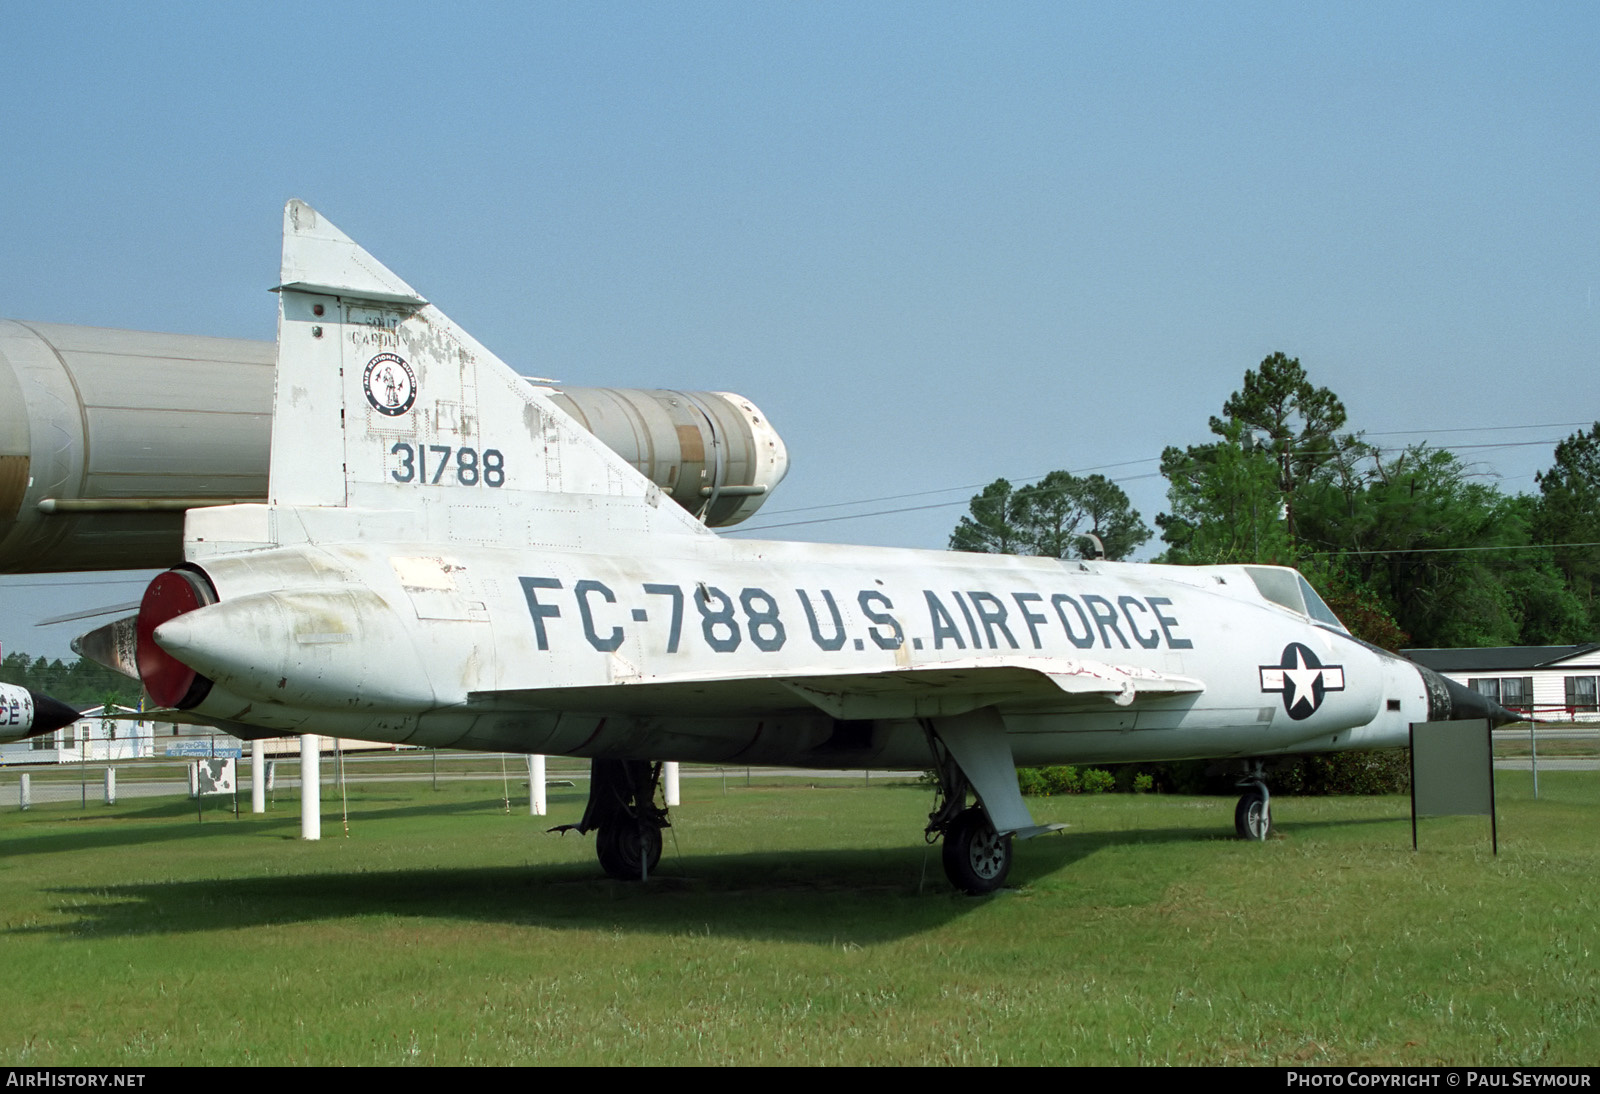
pixel 1408 546
pixel 82 684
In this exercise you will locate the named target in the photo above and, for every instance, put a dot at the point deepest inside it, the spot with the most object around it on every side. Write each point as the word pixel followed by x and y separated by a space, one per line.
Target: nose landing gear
pixel 1252 817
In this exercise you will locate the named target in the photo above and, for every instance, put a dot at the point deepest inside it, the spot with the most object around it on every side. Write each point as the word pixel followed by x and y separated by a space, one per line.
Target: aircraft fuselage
pixel 759 652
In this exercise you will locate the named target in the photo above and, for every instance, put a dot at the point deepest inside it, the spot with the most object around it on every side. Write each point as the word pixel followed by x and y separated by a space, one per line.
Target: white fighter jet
pixel 447 559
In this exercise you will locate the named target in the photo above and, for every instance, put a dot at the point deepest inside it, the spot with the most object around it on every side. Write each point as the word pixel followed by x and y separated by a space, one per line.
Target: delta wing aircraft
pixel 446 558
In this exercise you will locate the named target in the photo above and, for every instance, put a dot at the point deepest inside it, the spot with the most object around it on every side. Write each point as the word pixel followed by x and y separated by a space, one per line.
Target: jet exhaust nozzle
pixel 170 682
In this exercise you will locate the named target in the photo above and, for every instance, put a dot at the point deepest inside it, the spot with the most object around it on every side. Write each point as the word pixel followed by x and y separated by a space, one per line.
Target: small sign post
pixel 1452 773
pixel 217 775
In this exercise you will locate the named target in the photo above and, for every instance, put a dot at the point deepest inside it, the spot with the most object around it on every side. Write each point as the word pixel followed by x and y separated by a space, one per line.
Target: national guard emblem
pixel 390 384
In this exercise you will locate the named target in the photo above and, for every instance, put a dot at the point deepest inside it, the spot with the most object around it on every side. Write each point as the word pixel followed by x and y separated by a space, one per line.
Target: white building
pixel 1548 681
pixel 98 736
pixel 126 734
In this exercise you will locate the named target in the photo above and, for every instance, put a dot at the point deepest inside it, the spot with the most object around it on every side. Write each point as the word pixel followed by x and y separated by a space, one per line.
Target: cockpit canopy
pixel 1287 588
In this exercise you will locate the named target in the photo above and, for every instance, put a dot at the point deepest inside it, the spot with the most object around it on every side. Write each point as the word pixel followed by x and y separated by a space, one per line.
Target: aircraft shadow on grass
pixel 800 896
pixel 125 830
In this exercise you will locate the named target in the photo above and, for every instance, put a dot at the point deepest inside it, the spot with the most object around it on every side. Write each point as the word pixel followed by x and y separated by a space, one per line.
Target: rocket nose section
pixel 26 713
pixel 50 714
pixel 1449 701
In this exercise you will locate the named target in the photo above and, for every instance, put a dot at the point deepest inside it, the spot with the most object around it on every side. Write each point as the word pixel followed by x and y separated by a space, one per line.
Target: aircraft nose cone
pixel 1467 703
pixel 1449 701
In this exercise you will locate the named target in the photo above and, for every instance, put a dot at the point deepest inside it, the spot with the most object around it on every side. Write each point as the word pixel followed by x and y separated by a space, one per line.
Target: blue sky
pixel 936 243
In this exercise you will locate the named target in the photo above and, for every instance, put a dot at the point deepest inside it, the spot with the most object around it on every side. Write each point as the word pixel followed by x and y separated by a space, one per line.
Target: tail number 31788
pixel 429 465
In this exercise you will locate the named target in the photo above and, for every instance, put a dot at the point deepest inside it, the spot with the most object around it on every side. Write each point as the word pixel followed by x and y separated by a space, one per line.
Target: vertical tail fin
pixel 383 403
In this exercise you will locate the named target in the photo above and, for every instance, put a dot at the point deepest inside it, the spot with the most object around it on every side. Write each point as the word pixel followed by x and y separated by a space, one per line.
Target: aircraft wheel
pixel 621 847
pixel 1252 817
pixel 976 857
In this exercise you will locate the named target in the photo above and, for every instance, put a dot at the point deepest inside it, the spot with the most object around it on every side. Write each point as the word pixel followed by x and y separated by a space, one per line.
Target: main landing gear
pixel 623 814
pixel 976 857
pixel 629 851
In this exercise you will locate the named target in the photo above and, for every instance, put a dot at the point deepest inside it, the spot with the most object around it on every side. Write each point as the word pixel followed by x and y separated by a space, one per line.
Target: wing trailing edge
pixel 957 687
pixel 942 690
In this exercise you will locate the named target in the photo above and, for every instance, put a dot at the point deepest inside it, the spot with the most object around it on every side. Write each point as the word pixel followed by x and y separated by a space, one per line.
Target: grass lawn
pixel 791 924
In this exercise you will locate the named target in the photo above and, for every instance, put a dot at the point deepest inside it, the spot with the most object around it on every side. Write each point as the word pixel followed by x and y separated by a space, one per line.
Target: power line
pixel 947 489
pixel 907 509
pixel 856 516
pixel 1496 444
pixel 1472 429
pixel 1449 550
pixel 1101 467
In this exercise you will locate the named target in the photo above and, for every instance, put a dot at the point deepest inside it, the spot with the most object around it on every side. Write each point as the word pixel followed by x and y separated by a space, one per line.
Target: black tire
pixel 619 846
pixel 1252 817
pixel 976 858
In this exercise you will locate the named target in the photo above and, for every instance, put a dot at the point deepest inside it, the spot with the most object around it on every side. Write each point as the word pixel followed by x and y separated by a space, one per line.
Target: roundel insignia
pixel 1302 679
pixel 390 384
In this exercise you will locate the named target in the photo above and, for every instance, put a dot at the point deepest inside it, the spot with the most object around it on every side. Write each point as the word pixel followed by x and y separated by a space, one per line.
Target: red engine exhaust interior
pixel 169 681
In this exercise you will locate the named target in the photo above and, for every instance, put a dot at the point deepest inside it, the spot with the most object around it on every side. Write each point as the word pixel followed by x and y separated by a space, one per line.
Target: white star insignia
pixel 1300 682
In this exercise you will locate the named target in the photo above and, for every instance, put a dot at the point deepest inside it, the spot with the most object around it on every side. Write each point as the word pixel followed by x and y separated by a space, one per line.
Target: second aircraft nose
pixel 1449 701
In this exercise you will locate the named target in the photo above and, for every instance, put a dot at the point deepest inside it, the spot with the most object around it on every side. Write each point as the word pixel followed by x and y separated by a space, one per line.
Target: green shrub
pixel 1174 777
pixel 1064 779
pixel 1060 779
pixel 1096 781
pixel 1385 772
pixel 1382 772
